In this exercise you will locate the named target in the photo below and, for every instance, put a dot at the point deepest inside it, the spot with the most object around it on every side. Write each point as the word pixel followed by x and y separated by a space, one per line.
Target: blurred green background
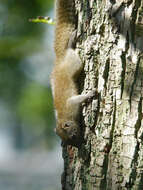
pixel 26 56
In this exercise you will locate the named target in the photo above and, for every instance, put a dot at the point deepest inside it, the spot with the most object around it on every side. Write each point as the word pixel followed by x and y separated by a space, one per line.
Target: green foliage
pixel 16 33
pixel 29 102
pixel 41 19
pixel 35 103
pixel 35 109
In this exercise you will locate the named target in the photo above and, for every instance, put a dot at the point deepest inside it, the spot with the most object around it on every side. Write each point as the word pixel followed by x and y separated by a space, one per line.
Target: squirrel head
pixel 69 132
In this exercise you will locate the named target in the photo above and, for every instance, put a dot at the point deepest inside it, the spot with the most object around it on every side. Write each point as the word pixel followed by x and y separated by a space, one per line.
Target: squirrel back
pixel 65 25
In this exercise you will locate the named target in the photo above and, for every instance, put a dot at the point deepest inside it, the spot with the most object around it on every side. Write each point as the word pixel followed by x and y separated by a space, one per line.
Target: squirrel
pixel 67 69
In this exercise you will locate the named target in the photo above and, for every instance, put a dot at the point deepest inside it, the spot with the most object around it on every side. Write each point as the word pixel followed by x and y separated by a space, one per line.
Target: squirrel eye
pixel 66 125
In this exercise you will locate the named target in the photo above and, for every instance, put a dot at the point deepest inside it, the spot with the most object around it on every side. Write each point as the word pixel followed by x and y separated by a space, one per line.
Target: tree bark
pixel 110 43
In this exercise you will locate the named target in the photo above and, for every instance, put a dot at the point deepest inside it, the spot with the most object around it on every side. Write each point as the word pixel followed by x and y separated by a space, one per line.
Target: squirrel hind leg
pixel 73 62
pixel 72 59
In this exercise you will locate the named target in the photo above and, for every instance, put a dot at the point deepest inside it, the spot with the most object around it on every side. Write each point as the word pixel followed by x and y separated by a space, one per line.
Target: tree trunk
pixel 110 44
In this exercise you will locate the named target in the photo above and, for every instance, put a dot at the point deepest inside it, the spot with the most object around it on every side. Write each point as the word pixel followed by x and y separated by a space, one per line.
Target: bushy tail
pixel 65 24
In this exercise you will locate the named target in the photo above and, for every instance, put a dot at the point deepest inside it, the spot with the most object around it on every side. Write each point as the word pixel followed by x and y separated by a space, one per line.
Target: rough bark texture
pixel 111 46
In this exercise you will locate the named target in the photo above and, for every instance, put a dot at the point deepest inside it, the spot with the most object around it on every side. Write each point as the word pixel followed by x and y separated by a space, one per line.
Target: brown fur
pixel 66 70
pixel 64 87
pixel 65 25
